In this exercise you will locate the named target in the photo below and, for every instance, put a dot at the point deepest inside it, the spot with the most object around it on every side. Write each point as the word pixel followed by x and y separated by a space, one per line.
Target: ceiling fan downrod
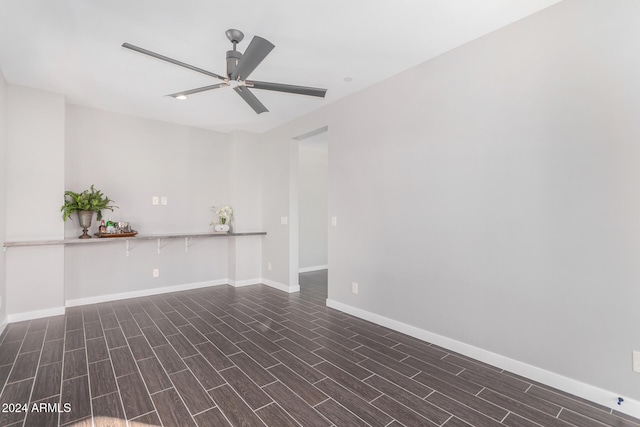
pixel 233 56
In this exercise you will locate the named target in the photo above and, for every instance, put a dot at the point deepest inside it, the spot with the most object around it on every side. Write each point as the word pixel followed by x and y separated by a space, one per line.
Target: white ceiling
pixel 73 47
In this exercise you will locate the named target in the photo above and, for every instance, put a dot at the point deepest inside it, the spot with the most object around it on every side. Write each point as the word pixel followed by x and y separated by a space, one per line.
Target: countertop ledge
pixel 97 240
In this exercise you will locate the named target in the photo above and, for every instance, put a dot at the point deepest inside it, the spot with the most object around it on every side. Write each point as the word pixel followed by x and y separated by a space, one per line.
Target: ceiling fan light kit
pixel 239 67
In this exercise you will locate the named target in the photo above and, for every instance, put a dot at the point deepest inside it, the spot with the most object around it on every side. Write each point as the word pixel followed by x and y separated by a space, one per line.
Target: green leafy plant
pixel 88 200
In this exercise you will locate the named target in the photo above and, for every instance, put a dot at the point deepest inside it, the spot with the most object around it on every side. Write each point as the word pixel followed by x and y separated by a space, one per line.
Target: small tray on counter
pixel 107 235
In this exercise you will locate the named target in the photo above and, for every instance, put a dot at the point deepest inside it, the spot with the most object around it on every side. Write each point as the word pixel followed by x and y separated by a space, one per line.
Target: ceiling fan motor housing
pixel 233 57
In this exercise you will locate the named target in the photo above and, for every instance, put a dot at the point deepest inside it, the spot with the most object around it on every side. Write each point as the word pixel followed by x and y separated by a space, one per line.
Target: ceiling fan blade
pixel 171 60
pixel 251 99
pixel 200 89
pixel 255 53
pixel 279 87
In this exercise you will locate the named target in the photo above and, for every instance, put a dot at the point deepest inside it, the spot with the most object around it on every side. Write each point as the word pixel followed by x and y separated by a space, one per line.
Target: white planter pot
pixel 221 227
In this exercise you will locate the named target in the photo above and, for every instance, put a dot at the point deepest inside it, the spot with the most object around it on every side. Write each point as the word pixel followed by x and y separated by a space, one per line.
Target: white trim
pixel 18 317
pixel 144 292
pixel 37 314
pixel 281 287
pixel 560 382
pixel 315 268
pixel 246 282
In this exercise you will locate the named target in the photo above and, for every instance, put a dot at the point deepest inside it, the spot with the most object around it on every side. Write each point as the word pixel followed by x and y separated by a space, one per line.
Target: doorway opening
pixel 312 204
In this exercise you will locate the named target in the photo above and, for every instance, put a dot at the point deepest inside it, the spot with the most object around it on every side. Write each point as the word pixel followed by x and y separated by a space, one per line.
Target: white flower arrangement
pixel 224 213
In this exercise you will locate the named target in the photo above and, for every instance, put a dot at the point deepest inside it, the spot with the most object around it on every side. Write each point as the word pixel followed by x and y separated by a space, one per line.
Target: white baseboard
pixel 560 382
pixel 315 268
pixel 36 314
pixel 246 282
pixel 18 317
pixel 144 293
pixel 281 286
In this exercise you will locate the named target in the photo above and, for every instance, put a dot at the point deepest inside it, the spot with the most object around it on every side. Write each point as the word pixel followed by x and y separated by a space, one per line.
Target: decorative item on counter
pixel 116 229
pixel 111 227
pixel 103 228
pixel 85 204
pixel 224 215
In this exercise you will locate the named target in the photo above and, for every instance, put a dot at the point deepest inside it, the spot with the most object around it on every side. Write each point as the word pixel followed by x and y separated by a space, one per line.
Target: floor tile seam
pixel 139 372
pixel 172 383
pixel 268 384
pixel 523 403
pixel 411 377
pixel 279 406
pixel 238 394
pixel 16 357
pixel 228 355
pixel 413 411
pixel 586 405
pixel 263 406
pixel 320 403
pixel 400 387
pixel 74 422
pixel 386 413
pixel 127 420
pixel 354 377
pixel 300 397
pixel 172 386
pixel 206 410
pixel 338 333
pixel 469 408
pixel 489 379
pixel 442 371
pixel 564 409
pixel 252 381
pixel 197 379
pixel 580 401
pixel 86 361
pixel 346 409
pixel 7 382
pixel 35 375
pixel 510 411
pixel 303 379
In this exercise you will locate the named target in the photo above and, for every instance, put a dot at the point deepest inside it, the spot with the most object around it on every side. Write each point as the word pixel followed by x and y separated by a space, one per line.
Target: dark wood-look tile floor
pixel 254 356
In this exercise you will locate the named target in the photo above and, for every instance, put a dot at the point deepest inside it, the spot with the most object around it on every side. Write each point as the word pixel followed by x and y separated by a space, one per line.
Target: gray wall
pixel 53 147
pixel 491 195
pixel 35 184
pixel 312 202
pixel 3 195
pixel 132 159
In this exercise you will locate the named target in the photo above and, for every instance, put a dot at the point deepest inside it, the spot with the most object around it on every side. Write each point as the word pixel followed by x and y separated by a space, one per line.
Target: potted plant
pixel 224 214
pixel 85 204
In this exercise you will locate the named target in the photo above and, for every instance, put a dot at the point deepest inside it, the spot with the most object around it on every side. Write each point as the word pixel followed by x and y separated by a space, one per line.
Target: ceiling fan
pixel 239 67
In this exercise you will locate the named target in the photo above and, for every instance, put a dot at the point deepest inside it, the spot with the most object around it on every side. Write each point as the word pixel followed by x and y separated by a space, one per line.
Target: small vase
pixel 221 227
pixel 85 217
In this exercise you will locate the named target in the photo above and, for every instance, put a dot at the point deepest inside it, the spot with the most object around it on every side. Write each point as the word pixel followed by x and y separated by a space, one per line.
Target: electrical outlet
pixel 155 200
pixel 354 288
pixel 156 272
pixel 334 221
pixel 636 361
pixel 164 201
pixel 284 220
pixel 269 266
